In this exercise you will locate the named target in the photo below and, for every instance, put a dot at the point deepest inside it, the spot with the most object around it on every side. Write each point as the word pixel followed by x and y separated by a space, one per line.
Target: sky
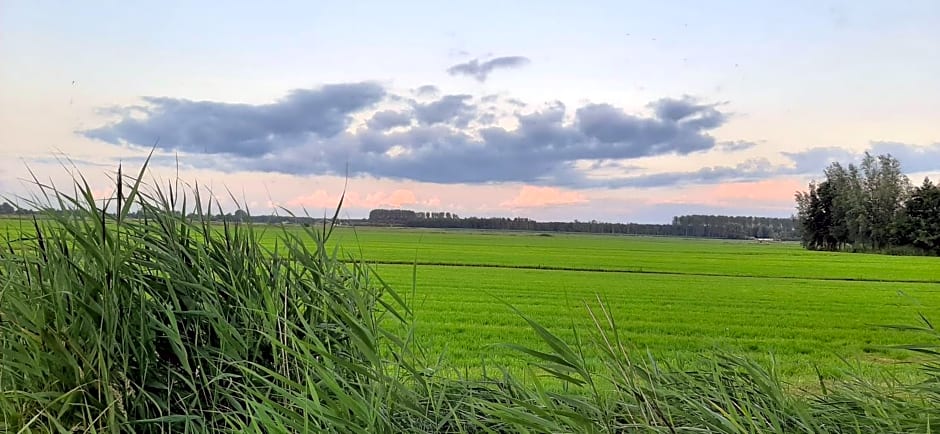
pixel 594 110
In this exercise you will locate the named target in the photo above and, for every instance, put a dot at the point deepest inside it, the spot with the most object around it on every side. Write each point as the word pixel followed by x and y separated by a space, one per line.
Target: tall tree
pixel 886 190
pixel 837 179
pixel 816 216
pixel 920 224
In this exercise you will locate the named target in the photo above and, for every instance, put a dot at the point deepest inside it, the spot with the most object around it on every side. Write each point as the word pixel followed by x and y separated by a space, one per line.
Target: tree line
pixel 870 207
pixel 7 208
pixel 407 215
pixel 707 226
pixel 702 226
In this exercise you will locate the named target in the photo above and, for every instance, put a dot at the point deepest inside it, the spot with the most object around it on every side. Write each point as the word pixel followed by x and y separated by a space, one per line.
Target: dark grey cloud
pixel 449 109
pixel 481 70
pixel 308 133
pixel 242 129
pixel 387 119
pixel 631 136
pixel 542 149
pixel 689 111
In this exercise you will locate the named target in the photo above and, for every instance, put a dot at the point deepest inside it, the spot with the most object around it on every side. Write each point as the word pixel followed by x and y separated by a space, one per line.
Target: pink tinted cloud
pixel 396 199
pixel 767 193
pixel 540 197
pixel 771 190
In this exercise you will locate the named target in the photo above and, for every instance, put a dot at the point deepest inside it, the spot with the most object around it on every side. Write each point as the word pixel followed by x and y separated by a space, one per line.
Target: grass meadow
pixel 176 324
pixel 813 312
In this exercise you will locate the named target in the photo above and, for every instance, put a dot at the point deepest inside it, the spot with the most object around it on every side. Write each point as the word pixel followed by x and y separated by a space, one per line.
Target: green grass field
pixel 625 253
pixel 676 298
pixel 179 326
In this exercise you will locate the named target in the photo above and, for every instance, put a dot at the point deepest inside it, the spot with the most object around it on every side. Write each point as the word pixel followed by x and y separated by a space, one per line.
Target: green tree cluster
pixel 869 207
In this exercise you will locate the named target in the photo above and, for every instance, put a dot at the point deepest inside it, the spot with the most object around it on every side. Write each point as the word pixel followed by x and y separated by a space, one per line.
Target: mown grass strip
pixel 636 271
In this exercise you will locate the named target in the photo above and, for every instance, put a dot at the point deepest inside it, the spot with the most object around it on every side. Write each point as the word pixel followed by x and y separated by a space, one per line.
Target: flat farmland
pixel 626 253
pixel 675 298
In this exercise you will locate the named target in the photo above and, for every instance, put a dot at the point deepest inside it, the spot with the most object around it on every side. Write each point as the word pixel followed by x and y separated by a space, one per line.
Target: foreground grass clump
pixel 165 324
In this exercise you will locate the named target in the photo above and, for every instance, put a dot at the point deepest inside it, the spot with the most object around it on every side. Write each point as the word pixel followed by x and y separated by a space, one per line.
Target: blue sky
pixel 619 111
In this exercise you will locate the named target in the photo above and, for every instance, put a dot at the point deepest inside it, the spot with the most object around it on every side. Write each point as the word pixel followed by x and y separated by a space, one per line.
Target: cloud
pixel 487 119
pixel 770 190
pixel 539 197
pixel 913 158
pixel 242 129
pixel 736 145
pixel 395 199
pixel 481 70
pixel 450 108
pixel 751 170
pixel 427 90
pixel 766 193
pixel 689 111
pixel 447 140
pixel 814 160
pixel 667 133
pixel 387 119
pixel 771 197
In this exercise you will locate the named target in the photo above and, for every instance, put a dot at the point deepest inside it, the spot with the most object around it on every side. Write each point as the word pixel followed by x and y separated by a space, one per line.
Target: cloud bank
pixel 364 129
pixel 242 129
pixel 444 139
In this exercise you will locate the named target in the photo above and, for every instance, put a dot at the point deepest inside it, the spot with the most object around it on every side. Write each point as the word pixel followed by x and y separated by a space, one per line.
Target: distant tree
pixel 6 208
